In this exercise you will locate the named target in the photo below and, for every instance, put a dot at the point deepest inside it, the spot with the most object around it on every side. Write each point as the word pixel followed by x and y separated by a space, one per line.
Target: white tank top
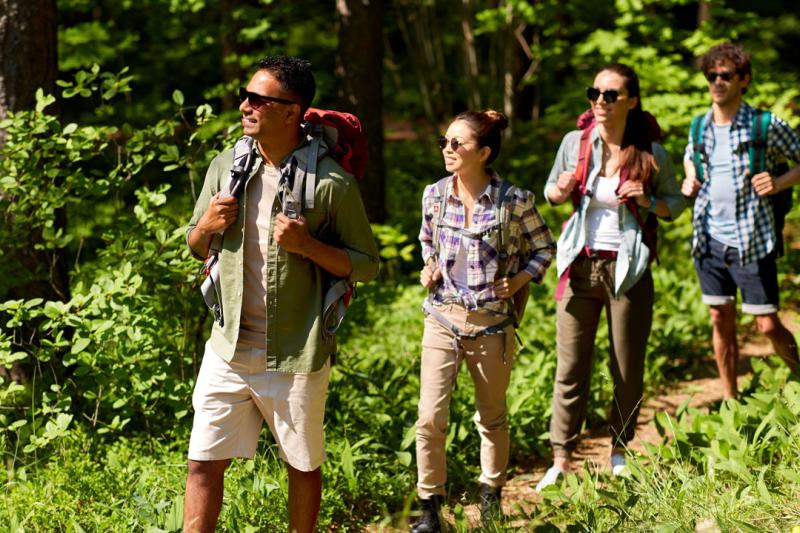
pixel 602 216
pixel 459 270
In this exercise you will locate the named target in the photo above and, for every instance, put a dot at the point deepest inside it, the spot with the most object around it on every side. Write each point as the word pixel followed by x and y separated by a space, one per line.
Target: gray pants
pixel 629 317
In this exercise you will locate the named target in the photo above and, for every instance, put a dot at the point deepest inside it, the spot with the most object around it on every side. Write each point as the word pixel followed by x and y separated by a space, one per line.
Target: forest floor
pixel 594 447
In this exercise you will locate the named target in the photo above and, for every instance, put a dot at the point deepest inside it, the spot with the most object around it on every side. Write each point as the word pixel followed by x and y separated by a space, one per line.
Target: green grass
pixel 134 482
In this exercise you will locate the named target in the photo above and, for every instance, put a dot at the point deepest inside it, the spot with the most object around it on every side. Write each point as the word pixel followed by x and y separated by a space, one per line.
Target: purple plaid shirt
pixel 530 247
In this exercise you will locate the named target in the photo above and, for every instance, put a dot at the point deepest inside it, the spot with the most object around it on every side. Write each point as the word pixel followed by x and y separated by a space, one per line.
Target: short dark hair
pixel 727 52
pixel 294 74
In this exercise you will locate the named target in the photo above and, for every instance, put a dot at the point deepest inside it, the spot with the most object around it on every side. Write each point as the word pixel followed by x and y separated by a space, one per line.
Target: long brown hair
pixel 641 130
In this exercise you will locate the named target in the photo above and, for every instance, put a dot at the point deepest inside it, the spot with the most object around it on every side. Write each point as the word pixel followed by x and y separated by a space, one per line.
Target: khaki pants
pixel 629 317
pixel 489 360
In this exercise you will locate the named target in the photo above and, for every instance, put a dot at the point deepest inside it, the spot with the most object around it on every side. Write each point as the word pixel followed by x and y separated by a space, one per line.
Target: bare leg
pixel 563 461
pixel 203 499
pixel 782 339
pixel 726 348
pixel 305 493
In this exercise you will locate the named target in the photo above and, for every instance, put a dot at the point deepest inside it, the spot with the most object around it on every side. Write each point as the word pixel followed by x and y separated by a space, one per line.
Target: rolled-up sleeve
pixel 210 188
pixel 784 141
pixel 566 159
pixel 426 229
pixel 665 186
pixel 537 244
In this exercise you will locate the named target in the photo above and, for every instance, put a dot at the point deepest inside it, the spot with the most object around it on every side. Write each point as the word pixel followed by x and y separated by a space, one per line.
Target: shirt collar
pixel 489 193
pixel 742 119
pixel 743 116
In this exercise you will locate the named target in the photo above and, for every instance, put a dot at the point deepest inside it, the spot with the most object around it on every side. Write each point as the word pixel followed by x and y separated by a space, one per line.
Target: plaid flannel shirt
pixel 530 247
pixel 754 221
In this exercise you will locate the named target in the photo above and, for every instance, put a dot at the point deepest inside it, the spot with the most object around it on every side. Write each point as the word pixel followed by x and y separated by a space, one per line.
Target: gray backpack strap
pixel 441 188
pixel 311 169
pixel 243 160
pixel 440 201
pixel 335 304
pixel 504 219
pixel 292 198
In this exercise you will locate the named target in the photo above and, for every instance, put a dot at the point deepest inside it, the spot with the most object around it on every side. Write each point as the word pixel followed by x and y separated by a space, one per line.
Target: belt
pixel 589 254
pixel 597 254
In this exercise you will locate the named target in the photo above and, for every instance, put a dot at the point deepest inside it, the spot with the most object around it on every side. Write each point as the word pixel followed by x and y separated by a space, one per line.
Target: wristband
pixel 652 202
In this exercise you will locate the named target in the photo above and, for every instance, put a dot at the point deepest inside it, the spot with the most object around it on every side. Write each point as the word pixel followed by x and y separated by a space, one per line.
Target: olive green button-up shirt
pixel 296 340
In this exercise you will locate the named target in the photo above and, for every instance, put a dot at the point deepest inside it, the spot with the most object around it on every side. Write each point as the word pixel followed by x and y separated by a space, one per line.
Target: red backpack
pixel 649 225
pixel 348 146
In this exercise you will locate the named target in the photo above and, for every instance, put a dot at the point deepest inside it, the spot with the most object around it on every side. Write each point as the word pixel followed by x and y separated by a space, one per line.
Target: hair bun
pixel 499 120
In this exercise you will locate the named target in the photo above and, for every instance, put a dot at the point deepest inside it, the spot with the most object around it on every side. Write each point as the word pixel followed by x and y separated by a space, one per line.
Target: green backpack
pixel 757 152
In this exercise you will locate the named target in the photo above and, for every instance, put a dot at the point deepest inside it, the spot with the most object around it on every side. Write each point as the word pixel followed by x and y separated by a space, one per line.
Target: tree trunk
pixel 703 12
pixel 359 70
pixel 29 59
pixel 232 46
pixel 524 68
pixel 470 57
pixel 509 46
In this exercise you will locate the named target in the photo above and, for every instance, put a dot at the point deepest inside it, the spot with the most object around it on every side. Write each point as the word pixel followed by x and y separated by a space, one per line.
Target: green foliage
pixel 95 439
pixel 121 349
pixel 733 468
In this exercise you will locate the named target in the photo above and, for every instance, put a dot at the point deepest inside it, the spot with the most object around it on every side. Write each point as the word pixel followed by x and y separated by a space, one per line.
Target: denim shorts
pixel 721 274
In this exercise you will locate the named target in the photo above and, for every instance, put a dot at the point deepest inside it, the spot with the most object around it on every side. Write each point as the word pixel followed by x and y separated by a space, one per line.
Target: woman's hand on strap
pixel 563 187
pixel 505 288
pixel 635 190
pixel 430 275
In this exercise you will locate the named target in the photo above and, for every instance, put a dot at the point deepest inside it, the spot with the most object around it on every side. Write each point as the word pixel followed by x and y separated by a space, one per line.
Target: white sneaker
pixel 617 463
pixel 550 478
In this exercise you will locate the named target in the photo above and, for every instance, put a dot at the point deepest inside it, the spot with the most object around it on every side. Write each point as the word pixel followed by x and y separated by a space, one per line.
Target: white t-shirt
pixel 602 216
pixel 261 191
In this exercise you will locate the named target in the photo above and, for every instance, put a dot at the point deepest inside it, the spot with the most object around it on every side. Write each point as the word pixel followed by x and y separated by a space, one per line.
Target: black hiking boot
pixel 489 499
pixel 429 521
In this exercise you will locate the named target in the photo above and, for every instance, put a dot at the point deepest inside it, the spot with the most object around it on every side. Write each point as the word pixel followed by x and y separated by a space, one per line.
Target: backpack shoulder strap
pixel 504 197
pixel 242 164
pixel 757 150
pixel 697 133
pixel 440 201
pixel 582 168
pixel 311 167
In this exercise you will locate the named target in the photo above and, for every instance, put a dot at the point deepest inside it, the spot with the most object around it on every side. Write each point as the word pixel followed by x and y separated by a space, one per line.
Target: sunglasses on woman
pixel 455 144
pixel 257 101
pixel 609 95
pixel 725 75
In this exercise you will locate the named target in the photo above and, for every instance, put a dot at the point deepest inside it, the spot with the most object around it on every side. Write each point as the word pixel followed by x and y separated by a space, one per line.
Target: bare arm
pixel 765 184
pixel 217 218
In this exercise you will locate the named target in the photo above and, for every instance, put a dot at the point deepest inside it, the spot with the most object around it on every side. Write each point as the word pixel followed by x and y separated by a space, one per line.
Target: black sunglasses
pixel 609 95
pixel 726 75
pixel 257 101
pixel 455 144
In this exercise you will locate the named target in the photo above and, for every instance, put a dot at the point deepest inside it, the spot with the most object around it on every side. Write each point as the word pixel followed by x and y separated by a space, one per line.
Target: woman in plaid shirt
pixel 482 241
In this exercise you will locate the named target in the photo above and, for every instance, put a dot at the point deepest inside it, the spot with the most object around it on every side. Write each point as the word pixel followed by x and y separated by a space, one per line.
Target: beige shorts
pixel 231 400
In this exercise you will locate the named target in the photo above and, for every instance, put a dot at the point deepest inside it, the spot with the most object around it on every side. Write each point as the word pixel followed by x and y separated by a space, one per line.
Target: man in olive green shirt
pixel 269 358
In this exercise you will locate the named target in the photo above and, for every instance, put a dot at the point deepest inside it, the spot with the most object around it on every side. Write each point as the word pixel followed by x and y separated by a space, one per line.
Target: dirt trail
pixel 594 446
